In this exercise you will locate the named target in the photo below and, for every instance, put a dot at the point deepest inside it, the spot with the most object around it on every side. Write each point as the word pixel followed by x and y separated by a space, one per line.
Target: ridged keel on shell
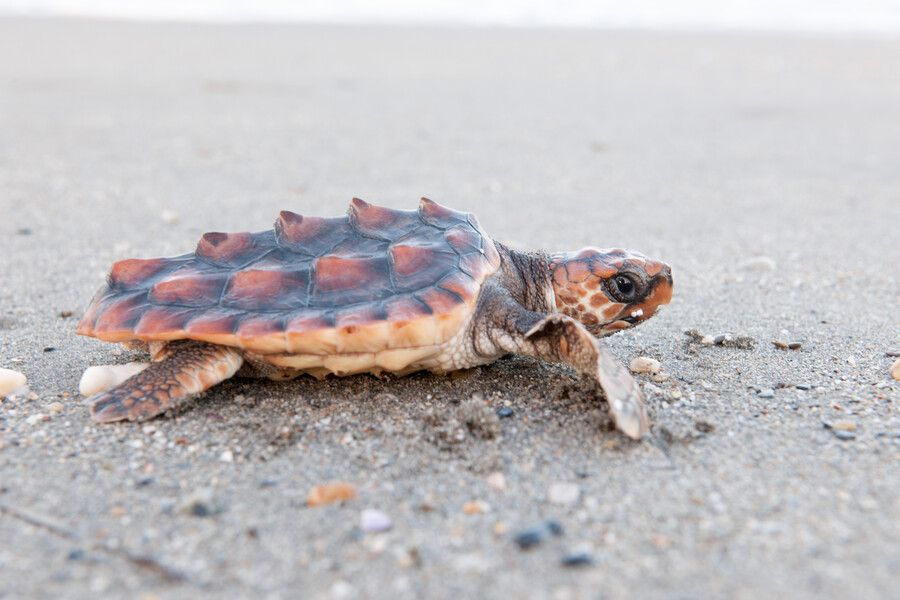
pixel 388 285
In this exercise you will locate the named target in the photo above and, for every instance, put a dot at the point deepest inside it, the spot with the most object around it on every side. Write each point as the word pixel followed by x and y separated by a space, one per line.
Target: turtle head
pixel 609 290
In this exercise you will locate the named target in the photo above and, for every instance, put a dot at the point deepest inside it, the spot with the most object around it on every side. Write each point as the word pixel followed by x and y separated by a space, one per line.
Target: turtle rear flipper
pixel 183 370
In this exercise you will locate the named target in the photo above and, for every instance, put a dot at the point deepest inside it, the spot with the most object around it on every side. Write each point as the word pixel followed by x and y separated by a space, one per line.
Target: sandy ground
pixel 763 168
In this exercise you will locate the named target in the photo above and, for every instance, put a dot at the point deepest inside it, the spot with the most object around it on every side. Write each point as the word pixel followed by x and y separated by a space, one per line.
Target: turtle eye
pixel 622 288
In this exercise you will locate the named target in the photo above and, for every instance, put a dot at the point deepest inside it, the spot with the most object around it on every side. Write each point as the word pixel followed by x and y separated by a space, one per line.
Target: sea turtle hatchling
pixel 378 290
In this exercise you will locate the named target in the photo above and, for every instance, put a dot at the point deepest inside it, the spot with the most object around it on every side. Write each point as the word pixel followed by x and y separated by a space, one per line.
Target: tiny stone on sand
pixel 563 493
pixel 496 480
pixel 643 364
pixel 331 492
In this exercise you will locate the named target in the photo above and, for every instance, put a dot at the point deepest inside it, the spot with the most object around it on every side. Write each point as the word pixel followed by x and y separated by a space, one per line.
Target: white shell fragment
pixel 563 493
pixel 101 378
pixel 643 364
pixel 372 520
pixel 10 380
pixel 895 369
pixel 759 263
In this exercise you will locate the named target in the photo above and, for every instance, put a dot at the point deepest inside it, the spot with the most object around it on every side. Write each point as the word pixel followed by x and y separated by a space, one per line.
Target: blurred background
pixel 791 15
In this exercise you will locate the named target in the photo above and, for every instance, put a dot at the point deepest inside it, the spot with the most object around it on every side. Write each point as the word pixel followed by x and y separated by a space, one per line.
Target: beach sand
pixel 762 167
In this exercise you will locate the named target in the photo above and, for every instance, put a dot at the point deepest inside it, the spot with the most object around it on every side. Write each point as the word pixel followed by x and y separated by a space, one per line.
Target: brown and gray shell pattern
pixel 372 280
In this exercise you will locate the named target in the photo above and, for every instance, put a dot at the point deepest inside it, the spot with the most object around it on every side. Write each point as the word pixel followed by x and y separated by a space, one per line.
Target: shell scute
pixel 380 222
pixel 138 273
pixel 341 281
pixel 314 236
pixel 461 285
pixel 464 239
pixel 233 249
pixel 163 323
pixel 266 289
pixel 118 316
pixel 262 333
pixel 448 308
pixel 362 329
pixel 189 286
pixel 359 247
pixel 416 267
pixel 411 322
pixel 216 326
pixel 311 332
pixel 439 216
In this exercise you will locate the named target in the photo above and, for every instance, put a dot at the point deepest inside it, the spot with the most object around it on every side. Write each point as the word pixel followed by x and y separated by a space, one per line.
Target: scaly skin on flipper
pixel 183 370
pixel 559 338
pixel 506 326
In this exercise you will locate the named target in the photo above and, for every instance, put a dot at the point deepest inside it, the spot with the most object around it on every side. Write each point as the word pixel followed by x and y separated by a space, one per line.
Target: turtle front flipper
pixel 182 370
pixel 506 325
pixel 560 338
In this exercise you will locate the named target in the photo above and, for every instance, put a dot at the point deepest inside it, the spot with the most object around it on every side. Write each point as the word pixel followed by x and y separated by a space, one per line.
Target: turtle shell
pixel 374 279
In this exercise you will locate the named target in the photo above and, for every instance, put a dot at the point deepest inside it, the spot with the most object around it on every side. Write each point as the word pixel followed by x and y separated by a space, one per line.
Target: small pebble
pixel 659 377
pixel 200 503
pixel 169 217
pixel 528 538
pixel 767 393
pixel 10 380
pixel 895 369
pixel 844 426
pixel 704 426
pixel 563 493
pixel 802 386
pixel 330 492
pixel 54 408
pixel 843 435
pixel 780 344
pixel 794 345
pixel 475 507
pixel 707 340
pixel 722 338
pixel 578 559
pixel 372 520
pixel 227 456
pixel 643 364
pixel 496 480
pixel 340 590
pixel 505 412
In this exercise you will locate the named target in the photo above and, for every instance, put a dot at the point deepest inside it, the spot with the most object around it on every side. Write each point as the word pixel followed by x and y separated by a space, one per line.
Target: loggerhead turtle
pixel 378 290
